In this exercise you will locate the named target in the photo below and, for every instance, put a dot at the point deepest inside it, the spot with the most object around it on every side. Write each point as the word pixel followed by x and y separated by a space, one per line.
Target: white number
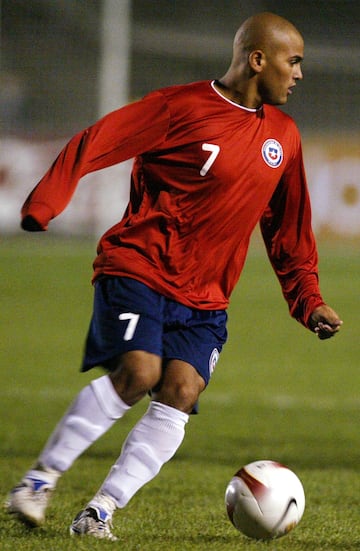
pixel 214 153
pixel 133 320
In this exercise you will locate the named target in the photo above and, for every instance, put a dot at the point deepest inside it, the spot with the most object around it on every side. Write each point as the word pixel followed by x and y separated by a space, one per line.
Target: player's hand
pixel 29 223
pixel 325 322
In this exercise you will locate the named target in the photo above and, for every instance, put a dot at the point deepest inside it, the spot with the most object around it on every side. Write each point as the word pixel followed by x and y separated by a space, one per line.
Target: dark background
pixel 50 58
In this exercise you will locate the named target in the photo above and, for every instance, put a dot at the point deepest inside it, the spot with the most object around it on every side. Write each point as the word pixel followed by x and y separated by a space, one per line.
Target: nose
pixel 298 73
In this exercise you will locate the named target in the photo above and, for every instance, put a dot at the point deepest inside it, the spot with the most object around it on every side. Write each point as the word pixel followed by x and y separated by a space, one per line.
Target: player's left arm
pixel 291 247
pixel 325 322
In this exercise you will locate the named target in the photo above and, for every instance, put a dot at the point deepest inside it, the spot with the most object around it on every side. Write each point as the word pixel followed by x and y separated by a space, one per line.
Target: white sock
pixel 152 442
pixel 93 412
pixel 50 476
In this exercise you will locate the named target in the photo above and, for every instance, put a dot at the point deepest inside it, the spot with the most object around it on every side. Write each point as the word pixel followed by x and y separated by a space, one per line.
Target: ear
pixel 257 60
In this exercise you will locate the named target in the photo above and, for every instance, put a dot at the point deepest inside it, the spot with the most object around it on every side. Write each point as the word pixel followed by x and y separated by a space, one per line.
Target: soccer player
pixel 212 159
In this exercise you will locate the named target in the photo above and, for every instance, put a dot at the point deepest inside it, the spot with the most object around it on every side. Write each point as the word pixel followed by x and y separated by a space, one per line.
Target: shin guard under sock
pixel 93 412
pixel 152 442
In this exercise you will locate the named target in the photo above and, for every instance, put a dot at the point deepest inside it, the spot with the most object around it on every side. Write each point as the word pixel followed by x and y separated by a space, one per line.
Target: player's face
pixel 281 70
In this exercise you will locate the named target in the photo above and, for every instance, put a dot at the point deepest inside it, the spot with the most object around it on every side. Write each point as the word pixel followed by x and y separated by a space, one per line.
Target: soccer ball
pixel 265 500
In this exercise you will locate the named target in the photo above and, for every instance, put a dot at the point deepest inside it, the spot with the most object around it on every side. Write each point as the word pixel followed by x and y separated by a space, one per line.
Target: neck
pixel 238 93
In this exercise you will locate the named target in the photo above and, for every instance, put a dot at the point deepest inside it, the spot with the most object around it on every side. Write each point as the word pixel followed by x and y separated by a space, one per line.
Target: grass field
pixel 278 393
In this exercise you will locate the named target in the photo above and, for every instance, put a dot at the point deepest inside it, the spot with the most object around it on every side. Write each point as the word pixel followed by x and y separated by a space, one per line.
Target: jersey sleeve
pixel 290 243
pixel 119 136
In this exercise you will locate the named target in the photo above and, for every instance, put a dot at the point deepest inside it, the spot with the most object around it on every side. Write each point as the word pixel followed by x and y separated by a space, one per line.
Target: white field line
pixel 289 402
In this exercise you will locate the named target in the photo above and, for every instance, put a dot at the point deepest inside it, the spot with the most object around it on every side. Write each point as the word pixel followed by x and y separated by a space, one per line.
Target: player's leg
pixel 98 405
pixel 157 436
pixel 150 444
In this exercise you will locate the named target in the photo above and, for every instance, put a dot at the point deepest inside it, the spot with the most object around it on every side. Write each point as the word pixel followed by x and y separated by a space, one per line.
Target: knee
pixel 136 373
pixel 180 387
pixel 180 395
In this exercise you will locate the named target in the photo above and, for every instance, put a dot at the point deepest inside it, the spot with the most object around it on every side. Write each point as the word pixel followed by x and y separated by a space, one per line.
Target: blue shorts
pixel 128 315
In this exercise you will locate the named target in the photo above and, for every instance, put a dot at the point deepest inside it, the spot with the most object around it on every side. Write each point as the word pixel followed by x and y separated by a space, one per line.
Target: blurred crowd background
pixel 65 63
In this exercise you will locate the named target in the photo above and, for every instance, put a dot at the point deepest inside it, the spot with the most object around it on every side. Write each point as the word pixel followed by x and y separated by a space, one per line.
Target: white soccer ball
pixel 265 500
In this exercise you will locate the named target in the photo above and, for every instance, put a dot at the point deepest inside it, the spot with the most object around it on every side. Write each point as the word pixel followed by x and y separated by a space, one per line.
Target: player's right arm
pixel 29 223
pixel 119 136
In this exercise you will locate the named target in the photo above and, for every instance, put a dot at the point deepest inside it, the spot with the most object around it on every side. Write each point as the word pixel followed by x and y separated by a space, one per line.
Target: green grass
pixel 277 393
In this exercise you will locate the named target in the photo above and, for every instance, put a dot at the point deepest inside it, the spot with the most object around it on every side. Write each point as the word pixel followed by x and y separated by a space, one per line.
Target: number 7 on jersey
pixel 214 152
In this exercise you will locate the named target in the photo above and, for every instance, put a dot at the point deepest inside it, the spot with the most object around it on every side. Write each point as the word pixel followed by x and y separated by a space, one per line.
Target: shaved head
pixel 263 31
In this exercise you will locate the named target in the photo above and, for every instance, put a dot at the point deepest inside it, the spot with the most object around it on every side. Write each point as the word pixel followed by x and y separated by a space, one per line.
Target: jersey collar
pixel 233 102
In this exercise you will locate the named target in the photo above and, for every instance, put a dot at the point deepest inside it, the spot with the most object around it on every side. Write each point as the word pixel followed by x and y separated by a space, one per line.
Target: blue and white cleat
pixel 93 521
pixel 30 498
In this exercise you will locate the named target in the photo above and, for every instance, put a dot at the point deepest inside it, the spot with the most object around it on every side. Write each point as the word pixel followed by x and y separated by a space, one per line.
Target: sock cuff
pixel 109 400
pixel 50 478
pixel 168 413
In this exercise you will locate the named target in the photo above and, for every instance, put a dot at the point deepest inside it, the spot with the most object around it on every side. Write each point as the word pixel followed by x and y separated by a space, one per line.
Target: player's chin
pixel 278 100
pixel 283 99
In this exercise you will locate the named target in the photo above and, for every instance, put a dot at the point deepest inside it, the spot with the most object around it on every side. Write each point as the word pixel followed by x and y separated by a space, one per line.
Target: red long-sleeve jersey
pixel 206 171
